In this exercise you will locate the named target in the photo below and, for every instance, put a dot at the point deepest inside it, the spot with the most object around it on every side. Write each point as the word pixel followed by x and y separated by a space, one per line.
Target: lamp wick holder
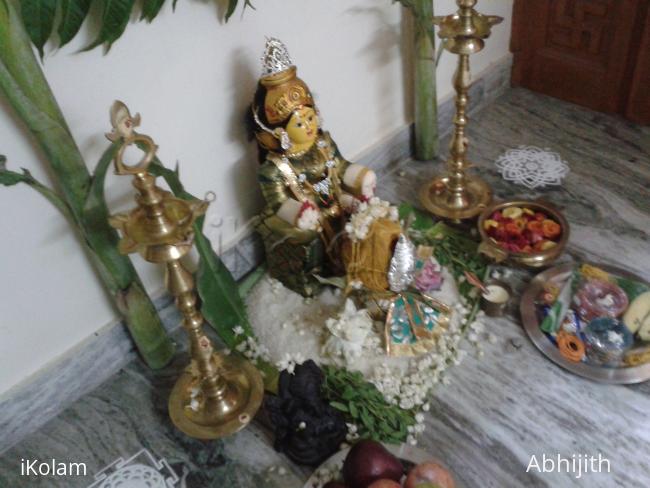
pixel 457 195
pixel 217 394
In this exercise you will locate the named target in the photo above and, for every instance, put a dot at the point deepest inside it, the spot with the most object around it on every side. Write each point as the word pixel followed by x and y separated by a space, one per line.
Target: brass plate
pixel 240 373
pixel 435 201
pixel 539 259
pixel 623 375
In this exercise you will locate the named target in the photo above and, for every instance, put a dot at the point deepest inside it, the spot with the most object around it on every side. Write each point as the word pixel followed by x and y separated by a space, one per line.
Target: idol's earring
pixel 320 118
pixel 279 133
pixel 285 142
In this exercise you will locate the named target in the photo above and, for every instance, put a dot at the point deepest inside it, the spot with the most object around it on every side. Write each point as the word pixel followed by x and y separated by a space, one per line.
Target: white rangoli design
pixel 141 470
pixel 532 167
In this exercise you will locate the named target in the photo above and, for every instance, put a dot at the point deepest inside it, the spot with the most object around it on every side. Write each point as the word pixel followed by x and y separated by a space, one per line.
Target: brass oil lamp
pixel 457 195
pixel 217 394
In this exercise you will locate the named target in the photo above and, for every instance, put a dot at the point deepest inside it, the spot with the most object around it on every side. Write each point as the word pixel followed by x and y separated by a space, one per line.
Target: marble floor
pixel 498 410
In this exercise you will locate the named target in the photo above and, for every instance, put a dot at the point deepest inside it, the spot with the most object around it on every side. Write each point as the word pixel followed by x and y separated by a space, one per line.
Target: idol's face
pixel 302 127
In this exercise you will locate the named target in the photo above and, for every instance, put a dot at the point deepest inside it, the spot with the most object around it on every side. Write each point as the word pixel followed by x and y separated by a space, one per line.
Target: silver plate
pixel 559 274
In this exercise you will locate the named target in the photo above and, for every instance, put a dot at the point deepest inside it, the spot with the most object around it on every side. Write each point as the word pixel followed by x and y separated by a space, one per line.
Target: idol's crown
pixel 276 57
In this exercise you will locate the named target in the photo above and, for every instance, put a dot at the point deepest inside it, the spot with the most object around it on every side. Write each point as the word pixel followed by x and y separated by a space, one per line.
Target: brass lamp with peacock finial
pixel 458 195
pixel 217 394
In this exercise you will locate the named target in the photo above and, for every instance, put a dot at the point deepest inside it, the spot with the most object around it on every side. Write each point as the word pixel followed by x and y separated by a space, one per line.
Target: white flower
pixel 308 219
pixel 238 330
pixel 298 358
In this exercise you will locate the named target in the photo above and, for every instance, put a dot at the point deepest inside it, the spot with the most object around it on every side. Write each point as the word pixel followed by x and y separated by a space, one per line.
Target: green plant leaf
pixel 151 8
pixel 221 304
pixel 101 237
pixel 115 17
pixel 341 407
pixel 73 13
pixel 11 178
pixel 354 411
pixel 232 6
pixel 38 16
pixel 420 221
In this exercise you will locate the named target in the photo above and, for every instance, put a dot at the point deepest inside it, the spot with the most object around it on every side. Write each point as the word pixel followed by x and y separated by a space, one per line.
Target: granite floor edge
pixel 30 404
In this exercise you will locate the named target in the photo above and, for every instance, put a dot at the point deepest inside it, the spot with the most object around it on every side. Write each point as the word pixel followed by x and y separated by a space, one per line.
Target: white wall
pixel 191 78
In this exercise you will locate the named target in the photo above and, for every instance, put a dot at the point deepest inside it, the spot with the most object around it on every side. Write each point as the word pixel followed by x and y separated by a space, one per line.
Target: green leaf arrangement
pixel 42 18
pixel 364 405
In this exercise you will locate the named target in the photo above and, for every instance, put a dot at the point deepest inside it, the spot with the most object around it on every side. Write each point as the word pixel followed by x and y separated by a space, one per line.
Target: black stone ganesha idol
pixel 307 429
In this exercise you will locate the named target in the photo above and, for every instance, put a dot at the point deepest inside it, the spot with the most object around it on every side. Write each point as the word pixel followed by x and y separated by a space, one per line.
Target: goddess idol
pixel 309 187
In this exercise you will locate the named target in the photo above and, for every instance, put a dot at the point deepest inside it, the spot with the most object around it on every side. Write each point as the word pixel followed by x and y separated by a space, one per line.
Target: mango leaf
pixel 151 8
pixel 115 17
pixel 73 13
pixel 38 16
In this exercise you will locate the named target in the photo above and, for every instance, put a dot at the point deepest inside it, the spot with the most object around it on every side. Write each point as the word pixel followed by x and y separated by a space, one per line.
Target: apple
pixel 429 473
pixel 384 484
pixel 369 461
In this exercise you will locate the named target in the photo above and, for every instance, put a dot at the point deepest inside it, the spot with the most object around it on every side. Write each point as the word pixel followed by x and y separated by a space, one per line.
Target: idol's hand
pixel 368 185
pixel 309 217
pixel 360 181
pixel 303 215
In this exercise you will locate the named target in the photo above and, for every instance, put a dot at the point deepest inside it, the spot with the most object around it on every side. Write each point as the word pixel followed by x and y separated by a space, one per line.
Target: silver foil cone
pixel 402 265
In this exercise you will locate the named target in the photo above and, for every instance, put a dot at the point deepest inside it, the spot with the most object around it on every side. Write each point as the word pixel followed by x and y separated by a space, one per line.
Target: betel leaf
pixel 151 8
pixel 38 17
pixel 115 17
pixel 73 13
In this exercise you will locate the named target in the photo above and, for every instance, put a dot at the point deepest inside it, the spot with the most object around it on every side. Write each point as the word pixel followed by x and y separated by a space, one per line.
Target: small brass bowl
pixel 491 248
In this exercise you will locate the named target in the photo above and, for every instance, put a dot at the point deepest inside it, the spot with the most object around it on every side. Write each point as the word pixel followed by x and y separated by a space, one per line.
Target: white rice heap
pixel 293 329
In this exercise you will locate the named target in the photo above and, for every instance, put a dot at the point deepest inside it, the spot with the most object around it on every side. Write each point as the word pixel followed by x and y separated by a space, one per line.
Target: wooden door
pixel 583 51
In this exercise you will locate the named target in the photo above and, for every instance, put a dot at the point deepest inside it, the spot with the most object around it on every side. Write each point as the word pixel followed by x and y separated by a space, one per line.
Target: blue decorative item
pixel 606 340
pixel 413 323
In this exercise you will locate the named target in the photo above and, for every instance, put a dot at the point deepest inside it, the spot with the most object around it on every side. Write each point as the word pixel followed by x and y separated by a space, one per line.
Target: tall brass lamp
pixel 217 394
pixel 457 195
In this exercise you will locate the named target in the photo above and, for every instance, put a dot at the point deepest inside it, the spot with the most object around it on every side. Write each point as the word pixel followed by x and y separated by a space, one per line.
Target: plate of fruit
pixel 527 232
pixel 370 464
